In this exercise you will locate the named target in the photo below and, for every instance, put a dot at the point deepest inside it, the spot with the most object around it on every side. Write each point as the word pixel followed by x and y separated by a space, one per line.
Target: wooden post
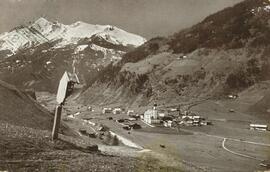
pixel 57 119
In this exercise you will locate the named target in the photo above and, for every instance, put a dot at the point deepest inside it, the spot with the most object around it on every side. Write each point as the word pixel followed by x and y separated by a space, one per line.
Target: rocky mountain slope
pixel 36 55
pixel 226 53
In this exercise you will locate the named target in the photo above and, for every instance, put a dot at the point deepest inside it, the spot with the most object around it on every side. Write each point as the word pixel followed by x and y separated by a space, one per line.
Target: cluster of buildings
pixel 116 111
pixel 173 118
pixel 130 113
pixel 107 110
pixel 194 120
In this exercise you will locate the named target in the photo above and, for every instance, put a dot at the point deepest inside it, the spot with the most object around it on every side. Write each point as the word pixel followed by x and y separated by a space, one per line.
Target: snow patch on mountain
pixel 119 36
pixel 14 40
pixel 105 51
pixel 80 48
pixel 82 30
pixel 98 48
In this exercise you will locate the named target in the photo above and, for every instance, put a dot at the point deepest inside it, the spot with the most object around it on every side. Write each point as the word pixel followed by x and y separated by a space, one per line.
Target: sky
pixel 148 18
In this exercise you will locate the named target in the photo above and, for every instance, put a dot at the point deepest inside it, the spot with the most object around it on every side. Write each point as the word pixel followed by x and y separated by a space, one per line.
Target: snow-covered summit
pixel 108 32
pixel 42 31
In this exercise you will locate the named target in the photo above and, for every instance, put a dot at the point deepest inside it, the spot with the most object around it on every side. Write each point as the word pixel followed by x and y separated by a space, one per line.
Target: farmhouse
pixel 106 110
pixel 130 112
pixel 117 111
pixel 168 123
pixel 206 123
pixel 258 127
pixel 232 96
pixel 161 115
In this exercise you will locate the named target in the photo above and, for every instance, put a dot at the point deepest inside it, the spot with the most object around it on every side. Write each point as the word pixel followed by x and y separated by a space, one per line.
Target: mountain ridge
pixel 42 31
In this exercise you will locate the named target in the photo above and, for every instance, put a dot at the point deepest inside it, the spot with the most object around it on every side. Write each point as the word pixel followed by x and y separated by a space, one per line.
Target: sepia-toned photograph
pixel 134 85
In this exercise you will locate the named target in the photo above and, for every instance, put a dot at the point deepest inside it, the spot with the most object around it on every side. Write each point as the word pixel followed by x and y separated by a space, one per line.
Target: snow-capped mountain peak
pixel 116 35
pixel 42 31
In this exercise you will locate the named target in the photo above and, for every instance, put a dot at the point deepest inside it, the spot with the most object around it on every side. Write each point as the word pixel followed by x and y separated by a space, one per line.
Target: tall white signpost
pixel 60 98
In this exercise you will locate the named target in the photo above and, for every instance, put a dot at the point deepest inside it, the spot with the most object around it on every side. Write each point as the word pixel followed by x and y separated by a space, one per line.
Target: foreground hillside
pixel 26 149
pixel 226 53
pixel 25 140
pixel 18 108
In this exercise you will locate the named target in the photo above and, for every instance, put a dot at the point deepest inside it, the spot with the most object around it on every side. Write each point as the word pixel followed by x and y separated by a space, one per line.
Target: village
pixel 129 119
pixel 155 117
pixel 173 118
pixel 108 120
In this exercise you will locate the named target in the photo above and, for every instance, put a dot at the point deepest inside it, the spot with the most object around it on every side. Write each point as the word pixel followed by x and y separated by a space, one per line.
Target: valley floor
pixel 227 145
